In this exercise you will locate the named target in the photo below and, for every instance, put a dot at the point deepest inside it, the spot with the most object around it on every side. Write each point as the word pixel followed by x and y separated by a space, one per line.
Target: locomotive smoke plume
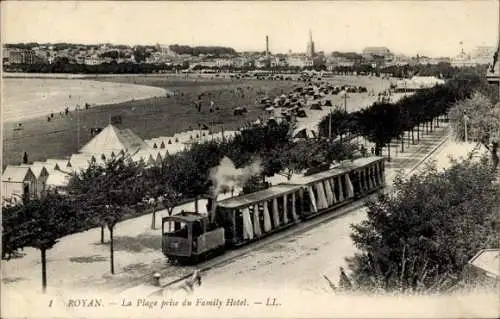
pixel 226 176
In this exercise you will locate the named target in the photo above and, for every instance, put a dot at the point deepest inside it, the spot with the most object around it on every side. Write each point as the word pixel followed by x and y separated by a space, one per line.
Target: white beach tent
pixel 112 139
pixel 304 133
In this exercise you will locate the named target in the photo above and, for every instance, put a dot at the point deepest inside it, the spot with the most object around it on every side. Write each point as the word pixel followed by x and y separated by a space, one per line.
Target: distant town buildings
pixel 481 55
pixel 212 58
pixel 19 56
pixel 372 53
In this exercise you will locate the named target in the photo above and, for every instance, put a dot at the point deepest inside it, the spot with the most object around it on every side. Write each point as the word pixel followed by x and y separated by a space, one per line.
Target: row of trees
pixel 63 66
pixel 102 196
pixel 197 50
pixel 383 122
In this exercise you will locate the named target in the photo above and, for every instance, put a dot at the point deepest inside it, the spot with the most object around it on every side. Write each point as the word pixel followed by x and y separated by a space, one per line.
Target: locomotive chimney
pixel 211 206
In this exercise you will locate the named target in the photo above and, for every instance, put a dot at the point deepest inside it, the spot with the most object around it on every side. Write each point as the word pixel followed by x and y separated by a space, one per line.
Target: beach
pixel 27 98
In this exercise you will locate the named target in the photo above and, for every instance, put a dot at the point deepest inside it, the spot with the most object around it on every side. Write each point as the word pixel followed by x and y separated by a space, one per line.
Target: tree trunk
pixel 403 143
pixel 111 251
pixel 418 132
pixel 44 269
pixel 412 137
pixel 102 234
pixel 494 155
pixel 389 151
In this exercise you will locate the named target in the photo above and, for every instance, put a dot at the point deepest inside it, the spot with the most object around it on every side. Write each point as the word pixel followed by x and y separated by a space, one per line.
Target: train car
pixel 243 219
pixel 327 190
pixel 252 216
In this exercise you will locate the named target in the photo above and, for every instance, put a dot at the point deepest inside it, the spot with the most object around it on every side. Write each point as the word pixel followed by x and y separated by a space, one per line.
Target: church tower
pixel 310 46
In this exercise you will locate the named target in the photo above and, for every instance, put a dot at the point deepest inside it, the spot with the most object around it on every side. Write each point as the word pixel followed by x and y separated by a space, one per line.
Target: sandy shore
pixel 24 98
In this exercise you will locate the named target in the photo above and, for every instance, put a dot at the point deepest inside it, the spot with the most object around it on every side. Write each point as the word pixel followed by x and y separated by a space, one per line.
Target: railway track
pixel 174 274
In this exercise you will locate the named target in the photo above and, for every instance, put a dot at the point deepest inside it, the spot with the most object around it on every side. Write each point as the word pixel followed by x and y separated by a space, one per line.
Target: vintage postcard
pixel 253 159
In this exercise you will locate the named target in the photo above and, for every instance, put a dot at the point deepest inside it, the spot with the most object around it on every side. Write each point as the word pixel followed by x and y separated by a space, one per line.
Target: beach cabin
pixel 48 166
pixel 58 181
pixel 76 159
pixel 175 148
pixel 41 175
pixel 151 142
pixel 19 182
pixel 158 155
pixel 146 157
pixel 60 164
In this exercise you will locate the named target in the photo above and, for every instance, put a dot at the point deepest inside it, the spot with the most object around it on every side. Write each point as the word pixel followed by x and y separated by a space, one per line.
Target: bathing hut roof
pixel 17 174
pixel 113 139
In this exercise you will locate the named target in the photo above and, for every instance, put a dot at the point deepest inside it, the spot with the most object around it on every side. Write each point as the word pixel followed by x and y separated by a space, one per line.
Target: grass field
pixel 159 116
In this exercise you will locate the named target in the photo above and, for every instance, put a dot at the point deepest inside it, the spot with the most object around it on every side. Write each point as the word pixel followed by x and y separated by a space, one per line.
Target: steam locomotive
pixel 236 221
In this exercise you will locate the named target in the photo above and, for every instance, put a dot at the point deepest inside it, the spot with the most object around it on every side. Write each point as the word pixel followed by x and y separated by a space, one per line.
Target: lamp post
pixel 77 109
pixel 345 101
pixel 330 125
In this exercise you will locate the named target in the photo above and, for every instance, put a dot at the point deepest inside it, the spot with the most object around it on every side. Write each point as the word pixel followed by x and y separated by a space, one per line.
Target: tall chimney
pixel 212 205
pixel 267 46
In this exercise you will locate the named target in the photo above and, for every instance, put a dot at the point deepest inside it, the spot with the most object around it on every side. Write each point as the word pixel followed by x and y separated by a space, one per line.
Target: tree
pixel 108 192
pixel 421 236
pixel 39 223
pixel 380 124
pixel 192 175
pixel 336 123
pixel 170 199
pixel 160 185
pixel 479 118
pixel 294 158
pixel 25 158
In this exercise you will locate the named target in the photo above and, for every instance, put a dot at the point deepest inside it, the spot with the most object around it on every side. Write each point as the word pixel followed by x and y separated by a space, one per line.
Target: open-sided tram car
pixel 242 219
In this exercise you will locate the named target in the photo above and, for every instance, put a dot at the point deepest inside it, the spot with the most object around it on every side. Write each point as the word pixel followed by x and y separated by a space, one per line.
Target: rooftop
pixel 15 174
pixel 338 170
pixel 262 195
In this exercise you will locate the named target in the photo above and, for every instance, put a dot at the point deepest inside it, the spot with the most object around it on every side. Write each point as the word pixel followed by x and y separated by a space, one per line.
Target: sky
pixel 433 28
